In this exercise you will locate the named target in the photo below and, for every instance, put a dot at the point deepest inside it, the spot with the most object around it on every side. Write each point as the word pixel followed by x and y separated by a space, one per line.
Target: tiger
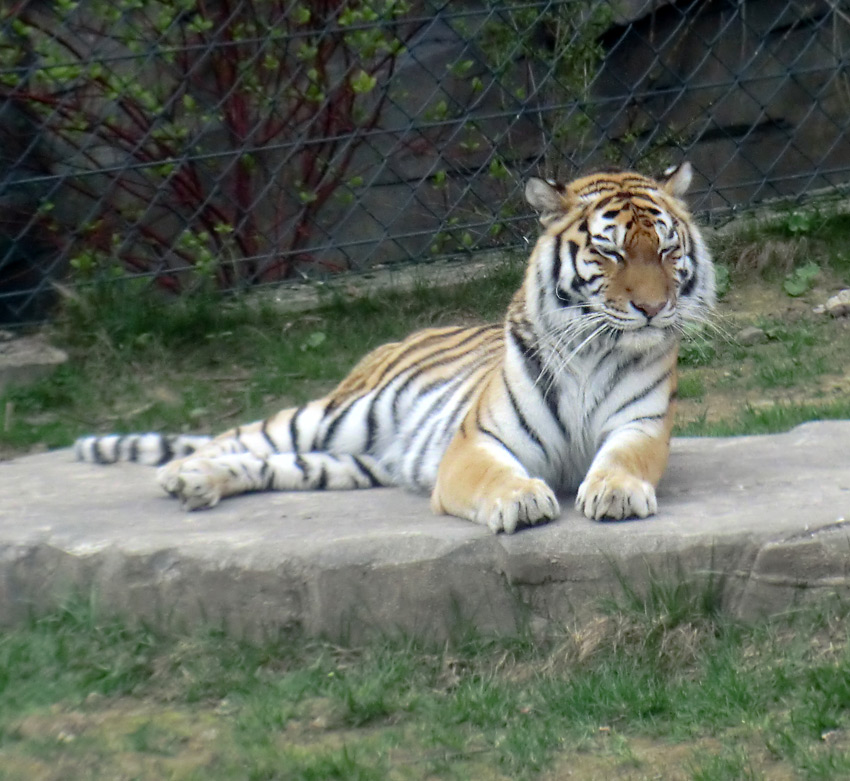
pixel 573 392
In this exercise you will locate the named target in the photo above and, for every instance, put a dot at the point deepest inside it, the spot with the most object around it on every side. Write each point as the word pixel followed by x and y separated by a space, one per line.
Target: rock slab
pixel 767 516
pixel 27 358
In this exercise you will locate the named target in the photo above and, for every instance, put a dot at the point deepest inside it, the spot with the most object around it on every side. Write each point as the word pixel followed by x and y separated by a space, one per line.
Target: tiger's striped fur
pixel 575 390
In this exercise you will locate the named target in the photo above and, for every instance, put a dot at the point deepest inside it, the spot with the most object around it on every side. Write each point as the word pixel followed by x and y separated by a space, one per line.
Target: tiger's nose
pixel 649 308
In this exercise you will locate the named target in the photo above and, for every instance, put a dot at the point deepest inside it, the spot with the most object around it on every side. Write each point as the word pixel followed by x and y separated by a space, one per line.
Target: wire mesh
pixel 235 143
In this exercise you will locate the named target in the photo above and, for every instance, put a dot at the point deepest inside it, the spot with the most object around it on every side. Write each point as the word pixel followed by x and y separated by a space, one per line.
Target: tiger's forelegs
pixel 480 482
pixel 622 478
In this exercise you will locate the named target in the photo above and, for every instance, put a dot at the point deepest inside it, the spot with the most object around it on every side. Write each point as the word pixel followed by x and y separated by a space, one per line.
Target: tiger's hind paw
pixel 524 502
pixel 616 495
pixel 168 477
pixel 196 483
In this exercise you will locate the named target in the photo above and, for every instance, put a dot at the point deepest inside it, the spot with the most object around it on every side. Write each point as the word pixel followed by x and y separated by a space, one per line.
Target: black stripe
pixel 622 370
pixel 538 375
pixel 264 430
pixel 617 377
pixel 166 450
pixel 368 473
pixel 603 202
pixel 643 394
pixel 573 250
pixel 531 360
pixel 580 282
pixel 420 457
pixel 302 467
pixel 318 435
pixel 133 455
pixel 293 428
pixel 523 423
pixel 461 408
pixel 323 479
pixel 97 453
pixel 648 418
pixel 372 422
pixel 484 430
pixel 563 296
pixel 330 431
pixel 498 439
pixel 690 284
pixel 556 265
pixel 542 288
pixel 266 475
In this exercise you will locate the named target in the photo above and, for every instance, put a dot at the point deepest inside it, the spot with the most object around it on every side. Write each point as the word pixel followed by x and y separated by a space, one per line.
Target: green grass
pixel 770 420
pixel 661 682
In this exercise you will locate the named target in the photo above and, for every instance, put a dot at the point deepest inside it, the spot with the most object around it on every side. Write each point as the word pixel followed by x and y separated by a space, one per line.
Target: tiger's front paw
pixel 616 495
pixel 522 502
pixel 196 482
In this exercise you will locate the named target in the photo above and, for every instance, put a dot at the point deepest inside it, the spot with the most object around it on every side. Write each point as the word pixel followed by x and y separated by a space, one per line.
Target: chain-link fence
pixel 241 142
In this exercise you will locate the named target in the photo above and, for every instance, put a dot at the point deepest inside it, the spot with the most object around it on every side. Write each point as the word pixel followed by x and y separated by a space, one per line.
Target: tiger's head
pixel 622 252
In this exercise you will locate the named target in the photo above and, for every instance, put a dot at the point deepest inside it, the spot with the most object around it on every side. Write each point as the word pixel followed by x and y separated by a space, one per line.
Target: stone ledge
pixel 767 515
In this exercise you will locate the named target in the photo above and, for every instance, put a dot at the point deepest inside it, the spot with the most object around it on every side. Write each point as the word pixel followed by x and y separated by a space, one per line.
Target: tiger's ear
pixel 548 198
pixel 677 179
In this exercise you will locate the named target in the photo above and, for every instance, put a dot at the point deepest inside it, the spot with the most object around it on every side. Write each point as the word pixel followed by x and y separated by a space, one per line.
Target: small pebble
pixel 751 335
pixel 839 304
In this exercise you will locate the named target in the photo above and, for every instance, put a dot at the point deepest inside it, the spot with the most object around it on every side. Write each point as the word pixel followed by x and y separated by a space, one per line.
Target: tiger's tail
pixel 152 449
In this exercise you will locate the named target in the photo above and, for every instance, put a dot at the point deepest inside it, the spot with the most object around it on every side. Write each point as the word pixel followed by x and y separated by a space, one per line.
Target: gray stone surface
pixel 768 515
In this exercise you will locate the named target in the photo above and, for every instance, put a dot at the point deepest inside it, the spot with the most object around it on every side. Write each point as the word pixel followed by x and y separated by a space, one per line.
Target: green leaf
pixel 800 280
pixel 363 83
pixel 799 223
pixel 460 69
pixel 314 340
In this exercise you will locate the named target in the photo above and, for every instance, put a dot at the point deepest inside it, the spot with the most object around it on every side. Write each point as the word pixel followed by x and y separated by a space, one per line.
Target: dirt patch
pixel 644 759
